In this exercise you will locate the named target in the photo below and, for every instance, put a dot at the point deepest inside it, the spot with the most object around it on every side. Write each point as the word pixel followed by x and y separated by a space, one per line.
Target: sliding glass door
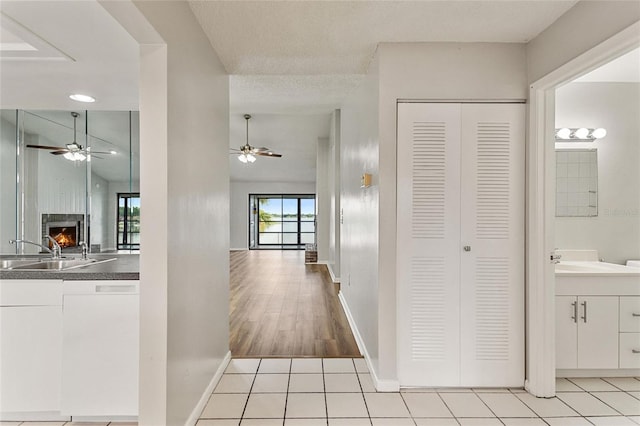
pixel 281 221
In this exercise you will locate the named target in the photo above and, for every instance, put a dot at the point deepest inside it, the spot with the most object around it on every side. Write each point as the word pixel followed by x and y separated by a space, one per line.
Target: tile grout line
pixel 246 403
pixel 446 405
pixel 362 393
pixel 324 390
pixel 286 398
pixel 486 405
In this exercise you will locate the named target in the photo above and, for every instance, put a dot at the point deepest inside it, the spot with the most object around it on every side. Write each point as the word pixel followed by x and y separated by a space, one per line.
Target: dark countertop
pixel 125 267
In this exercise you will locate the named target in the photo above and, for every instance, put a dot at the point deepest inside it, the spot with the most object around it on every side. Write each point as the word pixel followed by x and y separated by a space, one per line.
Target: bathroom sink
pixel 58 264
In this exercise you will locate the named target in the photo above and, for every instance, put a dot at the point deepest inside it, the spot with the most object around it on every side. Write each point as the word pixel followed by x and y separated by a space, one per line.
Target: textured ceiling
pixel 340 37
pixel 287 58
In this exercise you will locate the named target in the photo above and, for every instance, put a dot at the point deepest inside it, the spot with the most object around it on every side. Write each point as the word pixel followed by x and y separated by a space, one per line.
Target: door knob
pixel 467 248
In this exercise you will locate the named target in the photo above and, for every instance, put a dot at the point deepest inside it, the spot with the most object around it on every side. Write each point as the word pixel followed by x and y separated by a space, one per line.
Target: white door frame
pixel 540 276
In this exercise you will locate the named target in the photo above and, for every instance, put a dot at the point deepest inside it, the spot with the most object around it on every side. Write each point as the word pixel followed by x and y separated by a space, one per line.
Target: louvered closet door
pixel 492 226
pixel 428 227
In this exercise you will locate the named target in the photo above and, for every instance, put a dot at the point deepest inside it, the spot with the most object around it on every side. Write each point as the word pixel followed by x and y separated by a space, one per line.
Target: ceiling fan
pixel 247 153
pixel 72 151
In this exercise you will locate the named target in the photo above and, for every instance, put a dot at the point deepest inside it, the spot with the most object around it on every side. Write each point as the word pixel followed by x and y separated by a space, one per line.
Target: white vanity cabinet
pixel 100 348
pixel 30 348
pixel 630 332
pixel 587 332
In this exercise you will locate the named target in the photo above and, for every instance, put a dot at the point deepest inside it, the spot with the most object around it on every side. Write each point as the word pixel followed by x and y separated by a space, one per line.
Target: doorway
pixel 541 207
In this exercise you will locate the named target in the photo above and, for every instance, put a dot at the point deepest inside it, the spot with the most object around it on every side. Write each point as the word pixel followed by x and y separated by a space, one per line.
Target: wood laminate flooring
pixel 281 307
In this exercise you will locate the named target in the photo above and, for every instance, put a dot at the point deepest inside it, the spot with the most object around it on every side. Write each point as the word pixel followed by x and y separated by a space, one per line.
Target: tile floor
pixel 339 392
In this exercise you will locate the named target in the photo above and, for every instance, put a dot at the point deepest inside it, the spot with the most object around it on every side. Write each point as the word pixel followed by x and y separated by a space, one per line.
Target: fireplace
pixel 66 229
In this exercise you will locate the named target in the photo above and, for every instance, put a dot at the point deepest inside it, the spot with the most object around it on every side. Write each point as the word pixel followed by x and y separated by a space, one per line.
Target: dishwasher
pixel 100 349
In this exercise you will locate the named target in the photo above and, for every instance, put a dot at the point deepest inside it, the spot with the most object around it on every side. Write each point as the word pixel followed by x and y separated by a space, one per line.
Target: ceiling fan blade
pixel 268 154
pixel 54 148
pixel 234 150
pixel 97 152
pixel 261 149
pixel 61 152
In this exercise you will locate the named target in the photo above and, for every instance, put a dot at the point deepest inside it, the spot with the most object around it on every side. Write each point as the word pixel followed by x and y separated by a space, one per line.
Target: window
pixel 128 221
pixel 282 221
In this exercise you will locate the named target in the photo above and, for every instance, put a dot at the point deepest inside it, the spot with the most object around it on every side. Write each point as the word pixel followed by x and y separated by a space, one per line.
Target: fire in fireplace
pixel 65 233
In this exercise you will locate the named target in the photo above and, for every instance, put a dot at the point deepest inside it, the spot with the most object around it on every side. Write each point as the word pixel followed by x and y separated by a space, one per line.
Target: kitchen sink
pixel 12 263
pixel 51 264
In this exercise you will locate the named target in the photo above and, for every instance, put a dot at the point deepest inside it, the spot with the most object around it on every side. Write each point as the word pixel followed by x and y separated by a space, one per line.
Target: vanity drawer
pixel 630 314
pixel 629 342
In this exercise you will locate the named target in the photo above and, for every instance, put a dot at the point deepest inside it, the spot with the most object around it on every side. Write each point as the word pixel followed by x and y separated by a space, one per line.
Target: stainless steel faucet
pixel 84 249
pixel 55 253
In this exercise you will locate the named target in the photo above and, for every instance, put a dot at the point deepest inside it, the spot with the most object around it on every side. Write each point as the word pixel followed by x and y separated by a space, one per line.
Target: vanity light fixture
pixel 82 98
pixel 581 134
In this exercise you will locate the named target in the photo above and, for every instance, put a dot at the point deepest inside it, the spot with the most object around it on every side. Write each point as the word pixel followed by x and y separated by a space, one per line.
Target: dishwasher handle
pixel 107 288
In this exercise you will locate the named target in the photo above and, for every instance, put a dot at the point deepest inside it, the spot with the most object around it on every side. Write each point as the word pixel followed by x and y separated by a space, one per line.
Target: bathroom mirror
pixel 576 182
pixel 46 191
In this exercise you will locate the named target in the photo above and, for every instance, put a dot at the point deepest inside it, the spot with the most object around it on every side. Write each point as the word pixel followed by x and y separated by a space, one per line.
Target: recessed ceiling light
pixel 82 98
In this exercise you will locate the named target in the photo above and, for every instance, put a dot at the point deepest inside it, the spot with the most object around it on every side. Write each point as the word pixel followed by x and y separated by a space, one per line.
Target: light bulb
pixel 599 133
pixel 581 133
pixel 79 156
pixel 251 158
pixel 69 156
pixel 563 133
pixel 242 158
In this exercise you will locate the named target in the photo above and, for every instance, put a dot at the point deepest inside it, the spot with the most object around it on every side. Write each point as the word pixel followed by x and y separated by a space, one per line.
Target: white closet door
pixel 428 226
pixel 492 230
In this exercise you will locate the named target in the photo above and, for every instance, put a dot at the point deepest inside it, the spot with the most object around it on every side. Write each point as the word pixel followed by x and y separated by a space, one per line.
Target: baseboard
pixel 197 410
pixel 33 416
pixel 380 385
pixel 336 280
pixel 239 249
pixel 586 372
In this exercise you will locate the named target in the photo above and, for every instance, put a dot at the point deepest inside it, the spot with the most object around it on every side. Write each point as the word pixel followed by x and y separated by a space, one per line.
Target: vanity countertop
pixel 124 267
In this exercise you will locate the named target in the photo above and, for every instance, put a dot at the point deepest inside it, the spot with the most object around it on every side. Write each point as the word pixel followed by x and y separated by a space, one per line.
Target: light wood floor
pixel 282 308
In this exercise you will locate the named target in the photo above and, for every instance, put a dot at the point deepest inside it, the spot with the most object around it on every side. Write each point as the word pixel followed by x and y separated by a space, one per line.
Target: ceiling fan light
pixel 242 158
pixel 251 158
pixel 69 156
pixel 79 156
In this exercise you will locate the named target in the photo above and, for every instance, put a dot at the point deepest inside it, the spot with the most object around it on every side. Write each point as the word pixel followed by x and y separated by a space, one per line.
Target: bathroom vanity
pixel 597 319
pixel 69 342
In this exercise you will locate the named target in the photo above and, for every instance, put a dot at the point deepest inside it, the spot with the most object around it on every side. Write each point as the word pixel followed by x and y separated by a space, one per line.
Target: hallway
pixel 281 307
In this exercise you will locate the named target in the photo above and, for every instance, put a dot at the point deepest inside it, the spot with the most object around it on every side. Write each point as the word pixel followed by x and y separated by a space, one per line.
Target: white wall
pixel 334 196
pixel 359 239
pixel 323 203
pixel 582 27
pixel 184 267
pixel 7 185
pixel 240 204
pixel 424 71
pixel 615 232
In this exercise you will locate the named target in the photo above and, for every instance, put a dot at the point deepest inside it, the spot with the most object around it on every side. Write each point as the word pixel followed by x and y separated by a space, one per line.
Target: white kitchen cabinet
pixel 587 332
pixel 30 348
pixel 460 233
pixel 100 348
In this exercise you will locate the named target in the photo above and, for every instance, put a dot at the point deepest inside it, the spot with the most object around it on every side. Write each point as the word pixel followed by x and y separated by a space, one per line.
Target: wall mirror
pixel 576 182
pixel 87 191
